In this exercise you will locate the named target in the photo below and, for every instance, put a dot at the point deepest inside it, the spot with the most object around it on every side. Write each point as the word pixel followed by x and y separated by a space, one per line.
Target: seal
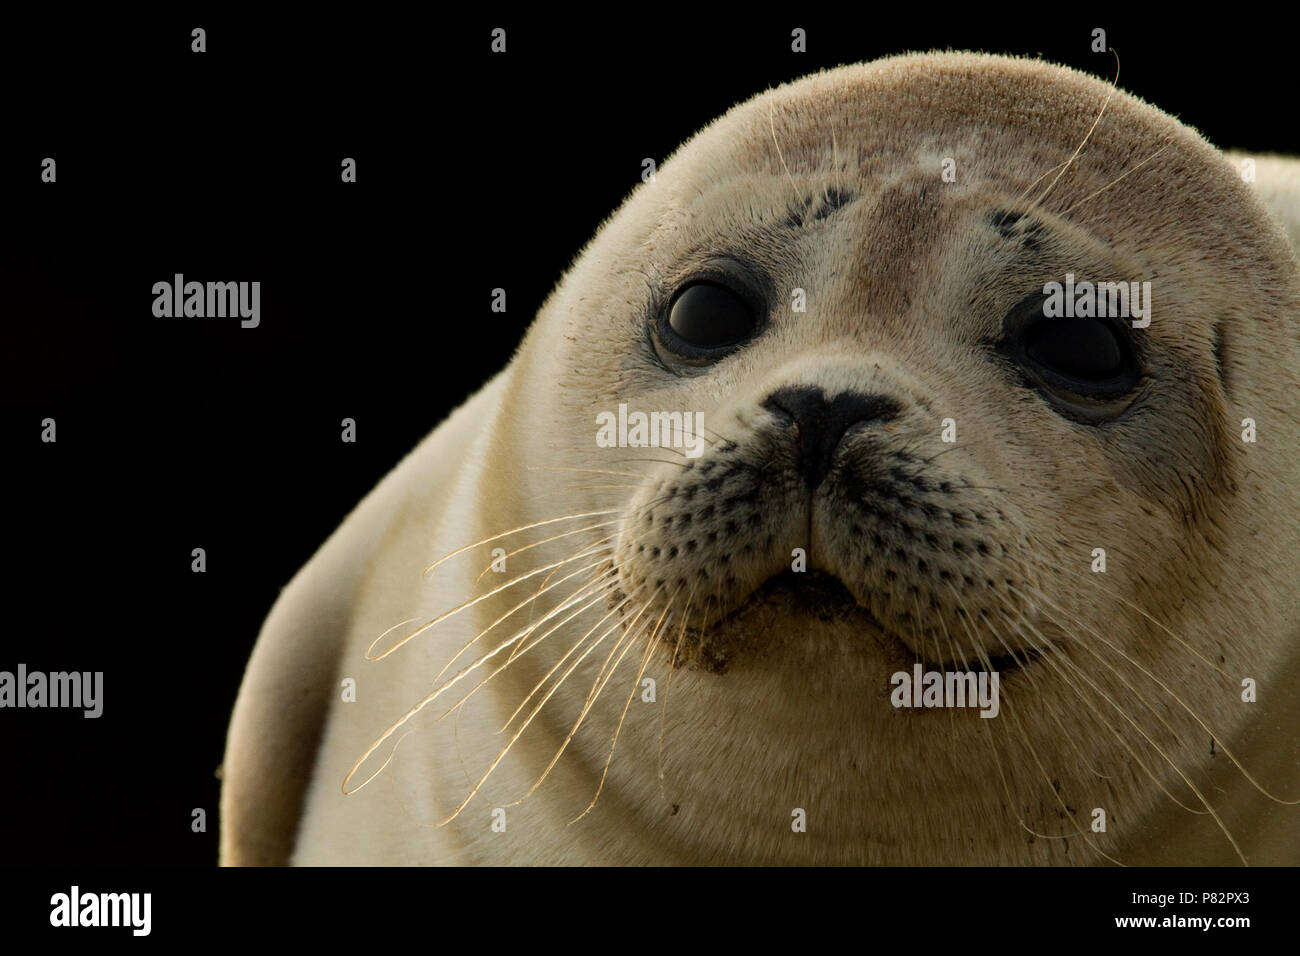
pixel 993 371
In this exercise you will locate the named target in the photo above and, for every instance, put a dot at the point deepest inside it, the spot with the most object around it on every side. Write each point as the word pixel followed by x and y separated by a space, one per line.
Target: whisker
pixel 1131 169
pixel 427 699
pixel 771 123
pixel 1109 93
pixel 526 527
pixel 725 439
pixel 1025 192
pixel 535 544
pixel 1182 643
pixel 1176 698
pixel 567 488
pixel 591 598
pixel 1008 705
pixel 1177 769
pixel 636 681
pixel 938 656
pixel 672 669
pixel 594 471
pixel 1063 665
pixel 657 461
pixel 518 733
pixel 556 686
pixel 482 597
pixel 597 579
pixel 558 664
pixel 590 697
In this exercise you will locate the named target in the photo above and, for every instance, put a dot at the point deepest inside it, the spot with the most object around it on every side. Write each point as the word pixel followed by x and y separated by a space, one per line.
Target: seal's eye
pixel 1086 365
pixel 1083 349
pixel 707 315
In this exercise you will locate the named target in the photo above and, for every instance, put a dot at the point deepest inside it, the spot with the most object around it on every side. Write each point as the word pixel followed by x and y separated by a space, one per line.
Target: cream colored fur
pixel 903 282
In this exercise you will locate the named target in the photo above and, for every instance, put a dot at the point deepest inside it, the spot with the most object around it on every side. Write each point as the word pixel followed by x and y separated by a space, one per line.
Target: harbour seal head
pixel 909 463
pixel 946 364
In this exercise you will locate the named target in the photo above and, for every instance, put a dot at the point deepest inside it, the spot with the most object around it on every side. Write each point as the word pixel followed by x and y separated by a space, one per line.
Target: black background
pixel 474 171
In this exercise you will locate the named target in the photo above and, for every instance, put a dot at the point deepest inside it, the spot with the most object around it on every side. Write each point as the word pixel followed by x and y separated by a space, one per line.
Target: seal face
pixel 930 443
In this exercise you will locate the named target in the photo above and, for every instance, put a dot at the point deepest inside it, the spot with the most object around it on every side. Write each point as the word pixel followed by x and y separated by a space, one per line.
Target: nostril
pixel 804 407
pixel 822 422
pixel 779 403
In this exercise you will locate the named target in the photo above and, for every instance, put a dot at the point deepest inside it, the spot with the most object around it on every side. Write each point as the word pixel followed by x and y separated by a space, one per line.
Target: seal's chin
pixel 819 598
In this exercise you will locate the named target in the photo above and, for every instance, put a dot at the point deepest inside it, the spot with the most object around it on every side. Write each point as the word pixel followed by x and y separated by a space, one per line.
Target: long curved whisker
pixel 1194 715
pixel 636 682
pixel 518 733
pixel 558 664
pixel 1109 93
pixel 433 622
pixel 1062 665
pixel 591 596
pixel 557 537
pixel 1009 706
pixel 594 471
pixel 525 527
pixel 672 669
pixel 1177 769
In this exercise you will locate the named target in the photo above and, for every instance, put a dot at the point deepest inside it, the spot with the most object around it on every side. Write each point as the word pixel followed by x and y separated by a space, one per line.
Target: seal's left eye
pixel 1088 367
pixel 707 315
pixel 1082 350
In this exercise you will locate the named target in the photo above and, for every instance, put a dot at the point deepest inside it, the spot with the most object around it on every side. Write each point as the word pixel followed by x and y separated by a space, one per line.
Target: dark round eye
pixel 1083 349
pixel 707 315
pixel 1086 365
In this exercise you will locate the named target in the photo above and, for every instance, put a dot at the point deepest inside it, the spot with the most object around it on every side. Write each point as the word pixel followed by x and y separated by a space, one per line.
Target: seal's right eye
pixel 708 315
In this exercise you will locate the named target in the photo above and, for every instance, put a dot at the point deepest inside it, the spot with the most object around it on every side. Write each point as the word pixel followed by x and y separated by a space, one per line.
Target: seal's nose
pixel 822 422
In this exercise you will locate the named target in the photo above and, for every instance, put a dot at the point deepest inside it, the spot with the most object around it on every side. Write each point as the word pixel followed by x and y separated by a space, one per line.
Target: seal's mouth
pixel 823 596
pixel 812 592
